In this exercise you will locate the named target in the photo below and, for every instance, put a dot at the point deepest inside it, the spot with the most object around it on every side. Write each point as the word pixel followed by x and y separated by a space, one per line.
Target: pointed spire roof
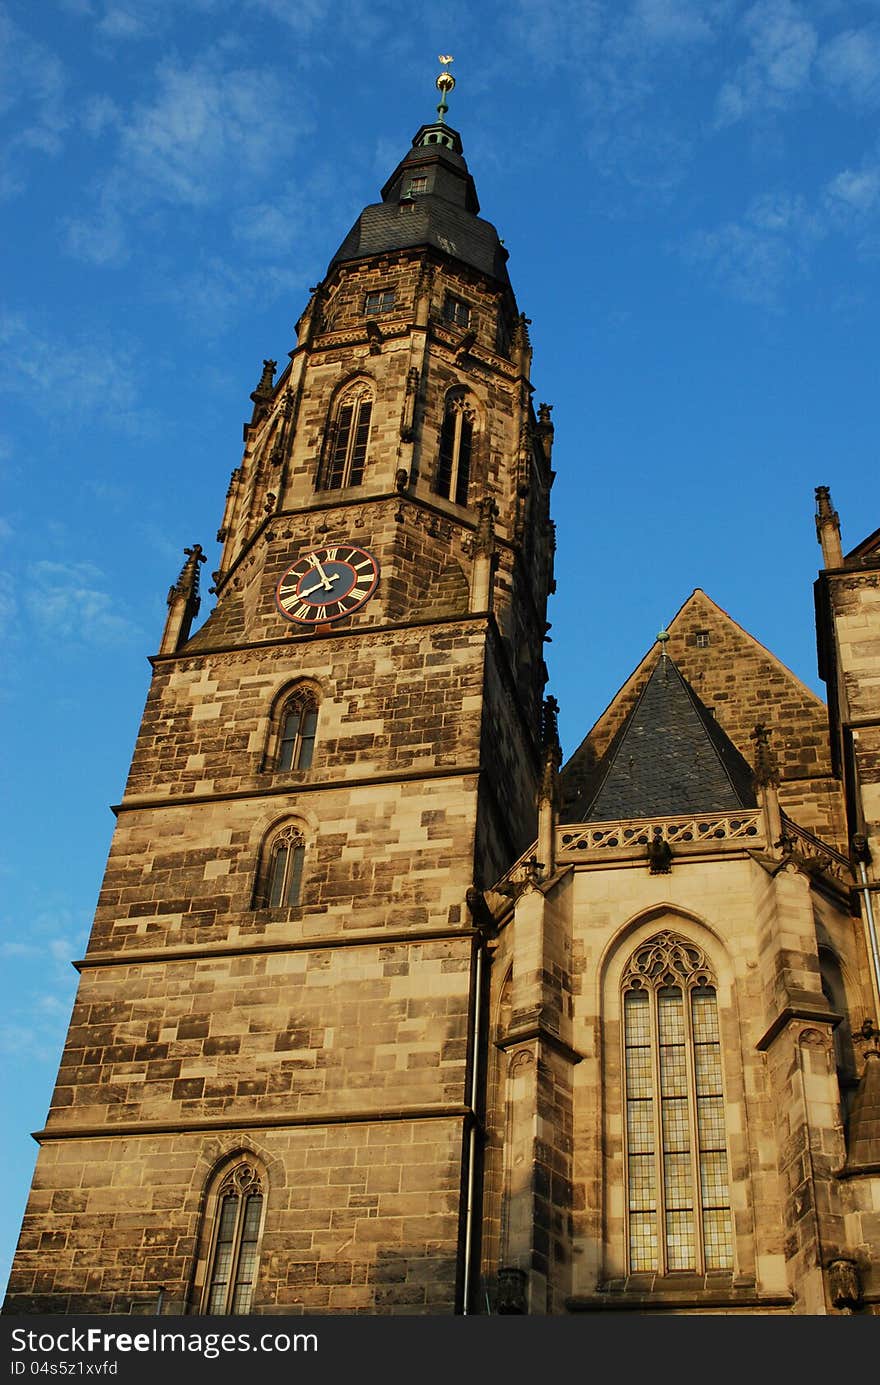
pixel 429 200
pixel 669 756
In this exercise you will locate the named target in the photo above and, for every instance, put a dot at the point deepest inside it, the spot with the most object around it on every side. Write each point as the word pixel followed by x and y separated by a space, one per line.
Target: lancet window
pixel 280 873
pixel 453 474
pixel 235 1242
pixel 296 736
pixel 678 1199
pixel 349 437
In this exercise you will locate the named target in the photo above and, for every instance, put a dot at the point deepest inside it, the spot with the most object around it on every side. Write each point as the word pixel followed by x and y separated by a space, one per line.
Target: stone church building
pixel 386 1010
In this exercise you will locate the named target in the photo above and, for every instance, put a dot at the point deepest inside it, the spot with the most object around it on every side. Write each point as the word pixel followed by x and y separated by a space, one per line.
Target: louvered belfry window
pixel 232 1275
pixel 350 438
pixel 678 1198
pixel 456 445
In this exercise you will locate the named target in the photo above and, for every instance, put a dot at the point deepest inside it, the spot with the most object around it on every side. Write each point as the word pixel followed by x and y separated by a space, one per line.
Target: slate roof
pixel 669 756
pixel 444 216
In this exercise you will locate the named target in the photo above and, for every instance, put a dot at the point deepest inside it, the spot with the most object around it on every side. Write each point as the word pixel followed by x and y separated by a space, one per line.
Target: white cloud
pixel 8 605
pixel 100 113
pixel 41 980
pixel 850 65
pixel 99 238
pixel 76 377
pixel 851 203
pixel 211 294
pixel 677 21
pixel 203 138
pixel 555 33
pixel 301 15
pixel 69 601
pixel 32 85
pixel 206 124
pixel 855 191
pixel 783 44
pixel 756 258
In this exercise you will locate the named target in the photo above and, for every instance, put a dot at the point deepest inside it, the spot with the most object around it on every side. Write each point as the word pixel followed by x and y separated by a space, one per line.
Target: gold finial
pixel 445 84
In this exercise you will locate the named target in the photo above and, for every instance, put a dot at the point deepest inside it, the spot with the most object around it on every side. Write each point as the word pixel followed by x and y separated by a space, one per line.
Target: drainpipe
pixel 862 855
pixel 472 1132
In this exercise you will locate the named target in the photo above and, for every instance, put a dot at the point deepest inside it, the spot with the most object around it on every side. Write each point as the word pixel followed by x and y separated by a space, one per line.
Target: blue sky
pixel 690 194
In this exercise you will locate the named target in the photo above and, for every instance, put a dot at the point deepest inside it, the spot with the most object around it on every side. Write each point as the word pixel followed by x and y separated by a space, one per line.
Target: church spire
pixel 445 84
pixel 430 201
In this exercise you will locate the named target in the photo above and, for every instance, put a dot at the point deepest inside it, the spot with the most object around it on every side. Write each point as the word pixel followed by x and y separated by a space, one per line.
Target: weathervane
pixel 445 83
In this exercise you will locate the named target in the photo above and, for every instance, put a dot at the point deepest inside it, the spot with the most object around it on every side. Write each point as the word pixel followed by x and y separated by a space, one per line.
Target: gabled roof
pixel 669 756
pixel 741 683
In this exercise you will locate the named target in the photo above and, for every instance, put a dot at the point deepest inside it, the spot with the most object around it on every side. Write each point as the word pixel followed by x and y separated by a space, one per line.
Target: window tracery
pixel 280 875
pixel 678 1198
pixel 235 1241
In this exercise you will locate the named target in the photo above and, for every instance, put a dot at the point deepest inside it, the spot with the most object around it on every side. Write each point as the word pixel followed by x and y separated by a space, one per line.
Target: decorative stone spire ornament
pixel 765 778
pixel 262 395
pixel 548 791
pixel 183 602
pixel 828 528
pixel 766 763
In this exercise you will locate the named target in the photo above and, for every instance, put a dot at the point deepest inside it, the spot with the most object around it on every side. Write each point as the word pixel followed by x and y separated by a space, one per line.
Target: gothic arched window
pixel 285 868
pixel 678 1198
pixel 349 436
pixel 237 1223
pixel 296 735
pixel 279 875
pixel 456 445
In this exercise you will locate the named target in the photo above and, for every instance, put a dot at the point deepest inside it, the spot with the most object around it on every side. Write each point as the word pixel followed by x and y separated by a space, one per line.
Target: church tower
pixel 268 1099
pixel 385 1010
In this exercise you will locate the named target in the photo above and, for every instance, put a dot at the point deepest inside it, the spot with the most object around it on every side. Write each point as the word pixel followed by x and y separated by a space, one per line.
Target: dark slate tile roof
pixel 443 216
pixel 669 756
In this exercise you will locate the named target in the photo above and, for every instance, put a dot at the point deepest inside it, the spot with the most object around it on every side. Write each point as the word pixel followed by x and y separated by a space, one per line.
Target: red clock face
pixel 326 583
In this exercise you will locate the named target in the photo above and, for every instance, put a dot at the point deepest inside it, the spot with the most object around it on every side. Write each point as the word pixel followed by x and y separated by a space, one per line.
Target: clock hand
pixel 320 586
pixel 325 581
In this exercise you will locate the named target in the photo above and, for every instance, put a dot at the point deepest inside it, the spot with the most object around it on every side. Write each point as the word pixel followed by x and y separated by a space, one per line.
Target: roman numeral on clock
pixel 326 583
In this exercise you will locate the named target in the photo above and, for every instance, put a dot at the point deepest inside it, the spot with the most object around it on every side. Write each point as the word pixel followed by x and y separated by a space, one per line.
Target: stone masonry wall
pixel 359 1219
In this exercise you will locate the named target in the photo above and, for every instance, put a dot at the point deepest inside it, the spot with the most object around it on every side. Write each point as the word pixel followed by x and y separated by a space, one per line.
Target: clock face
pixel 326 583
